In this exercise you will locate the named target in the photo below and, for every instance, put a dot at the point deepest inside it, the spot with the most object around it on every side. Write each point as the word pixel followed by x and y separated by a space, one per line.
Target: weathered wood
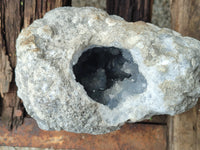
pixel 131 10
pixel 185 17
pixel 184 129
pixel 198 126
pixel 10 28
pixel 130 136
pixel 5 69
pixel 14 16
pixel 35 9
pixel 1 103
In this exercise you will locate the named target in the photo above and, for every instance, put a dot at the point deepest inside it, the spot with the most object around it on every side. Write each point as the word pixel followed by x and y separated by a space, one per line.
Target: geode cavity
pixel 81 70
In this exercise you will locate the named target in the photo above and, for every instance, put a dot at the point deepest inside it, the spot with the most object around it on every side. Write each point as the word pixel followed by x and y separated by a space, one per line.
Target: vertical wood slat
pixel 184 129
pixel 185 17
pixel 11 21
pixel 131 10
pixel 5 69
pixel 198 126
pixel 14 16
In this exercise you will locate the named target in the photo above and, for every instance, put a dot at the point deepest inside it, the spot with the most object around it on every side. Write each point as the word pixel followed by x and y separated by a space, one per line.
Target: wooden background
pixel 181 132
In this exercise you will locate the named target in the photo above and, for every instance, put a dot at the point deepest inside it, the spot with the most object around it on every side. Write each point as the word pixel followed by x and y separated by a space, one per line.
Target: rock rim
pixel 48 49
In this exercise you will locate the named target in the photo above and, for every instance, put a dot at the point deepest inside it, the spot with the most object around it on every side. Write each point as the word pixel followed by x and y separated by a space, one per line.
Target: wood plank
pixel 198 127
pixel 130 136
pixel 184 130
pixel 131 10
pixel 11 24
pixel 5 69
pixel 185 17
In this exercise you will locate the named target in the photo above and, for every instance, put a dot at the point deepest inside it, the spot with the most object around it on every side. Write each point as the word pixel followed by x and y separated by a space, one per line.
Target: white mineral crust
pixel 150 71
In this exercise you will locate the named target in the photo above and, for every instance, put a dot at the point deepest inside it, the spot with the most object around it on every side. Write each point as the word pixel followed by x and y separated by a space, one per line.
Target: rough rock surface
pixel 94 3
pixel 81 70
pixel 161 13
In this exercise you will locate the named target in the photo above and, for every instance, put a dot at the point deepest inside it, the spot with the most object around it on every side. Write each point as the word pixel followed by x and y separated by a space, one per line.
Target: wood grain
pixel 186 17
pixel 5 69
pixel 129 137
pixel 184 129
pixel 11 25
pixel 14 16
pixel 131 10
pixel 198 126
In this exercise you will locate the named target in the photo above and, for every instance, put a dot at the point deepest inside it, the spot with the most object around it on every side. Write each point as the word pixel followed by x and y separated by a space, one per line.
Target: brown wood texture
pixel 130 136
pixel 186 17
pixel 5 69
pixel 131 10
pixel 158 119
pixel 15 15
pixel 184 129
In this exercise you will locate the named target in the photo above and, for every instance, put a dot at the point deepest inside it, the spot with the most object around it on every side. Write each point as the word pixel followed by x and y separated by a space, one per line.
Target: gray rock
pixel 83 71
pixel 161 13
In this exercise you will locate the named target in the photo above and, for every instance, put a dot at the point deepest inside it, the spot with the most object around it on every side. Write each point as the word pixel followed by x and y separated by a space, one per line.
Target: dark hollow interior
pixel 98 69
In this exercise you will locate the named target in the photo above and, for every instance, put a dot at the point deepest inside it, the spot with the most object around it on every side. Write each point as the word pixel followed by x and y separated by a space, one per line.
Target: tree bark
pixel 15 15
pixel 184 129
pixel 131 10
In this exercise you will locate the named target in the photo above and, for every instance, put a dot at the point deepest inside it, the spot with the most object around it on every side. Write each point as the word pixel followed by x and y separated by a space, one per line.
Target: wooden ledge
pixel 130 136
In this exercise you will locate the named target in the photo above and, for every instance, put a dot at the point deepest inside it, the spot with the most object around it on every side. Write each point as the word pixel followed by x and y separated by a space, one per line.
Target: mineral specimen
pixel 81 70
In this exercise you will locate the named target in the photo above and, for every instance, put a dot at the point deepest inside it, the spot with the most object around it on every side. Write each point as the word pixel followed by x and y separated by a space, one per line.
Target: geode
pixel 83 71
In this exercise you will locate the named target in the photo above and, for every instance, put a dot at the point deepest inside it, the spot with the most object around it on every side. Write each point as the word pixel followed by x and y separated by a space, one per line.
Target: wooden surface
pixel 130 136
pixel 131 10
pixel 14 15
pixel 184 129
pixel 186 17
pixel 10 27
